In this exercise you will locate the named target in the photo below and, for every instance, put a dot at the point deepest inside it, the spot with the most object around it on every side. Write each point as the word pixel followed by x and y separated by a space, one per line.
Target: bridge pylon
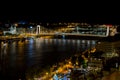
pixel 38 29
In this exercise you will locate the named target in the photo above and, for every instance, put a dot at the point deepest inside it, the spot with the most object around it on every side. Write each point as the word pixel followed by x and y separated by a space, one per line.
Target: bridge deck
pixel 72 34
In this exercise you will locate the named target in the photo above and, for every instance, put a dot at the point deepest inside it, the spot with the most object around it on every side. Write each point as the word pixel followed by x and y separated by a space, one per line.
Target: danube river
pixel 16 58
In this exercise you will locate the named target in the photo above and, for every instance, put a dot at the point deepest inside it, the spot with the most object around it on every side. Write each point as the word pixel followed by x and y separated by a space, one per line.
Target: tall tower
pixel 38 29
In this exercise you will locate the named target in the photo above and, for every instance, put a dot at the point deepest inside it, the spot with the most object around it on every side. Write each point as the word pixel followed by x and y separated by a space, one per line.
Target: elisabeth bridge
pixel 95 31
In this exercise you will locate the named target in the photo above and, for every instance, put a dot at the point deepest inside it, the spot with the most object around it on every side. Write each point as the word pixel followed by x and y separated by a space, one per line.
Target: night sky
pixel 62 13
pixel 100 19
pixel 60 18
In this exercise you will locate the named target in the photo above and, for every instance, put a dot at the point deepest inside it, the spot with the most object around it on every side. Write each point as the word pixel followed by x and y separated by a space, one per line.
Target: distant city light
pixel 6 25
pixel 31 27
pixel 16 24
pixel 22 22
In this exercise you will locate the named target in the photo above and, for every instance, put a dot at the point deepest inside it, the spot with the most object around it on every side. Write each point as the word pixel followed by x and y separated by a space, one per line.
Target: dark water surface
pixel 17 57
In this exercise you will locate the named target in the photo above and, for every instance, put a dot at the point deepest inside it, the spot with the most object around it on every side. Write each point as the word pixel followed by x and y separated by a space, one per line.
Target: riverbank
pixel 38 53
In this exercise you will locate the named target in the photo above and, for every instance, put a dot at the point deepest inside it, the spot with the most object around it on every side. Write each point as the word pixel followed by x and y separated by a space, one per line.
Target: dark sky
pixel 97 19
pixel 98 13
pixel 58 10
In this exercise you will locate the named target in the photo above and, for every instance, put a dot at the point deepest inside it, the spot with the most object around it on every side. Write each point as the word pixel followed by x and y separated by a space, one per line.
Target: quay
pixel 4 38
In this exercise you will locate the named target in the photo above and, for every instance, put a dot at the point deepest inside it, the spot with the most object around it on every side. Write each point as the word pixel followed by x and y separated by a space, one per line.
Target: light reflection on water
pixel 41 52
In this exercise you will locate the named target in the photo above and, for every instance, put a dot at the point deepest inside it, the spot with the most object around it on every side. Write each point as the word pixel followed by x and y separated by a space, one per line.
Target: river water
pixel 17 57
